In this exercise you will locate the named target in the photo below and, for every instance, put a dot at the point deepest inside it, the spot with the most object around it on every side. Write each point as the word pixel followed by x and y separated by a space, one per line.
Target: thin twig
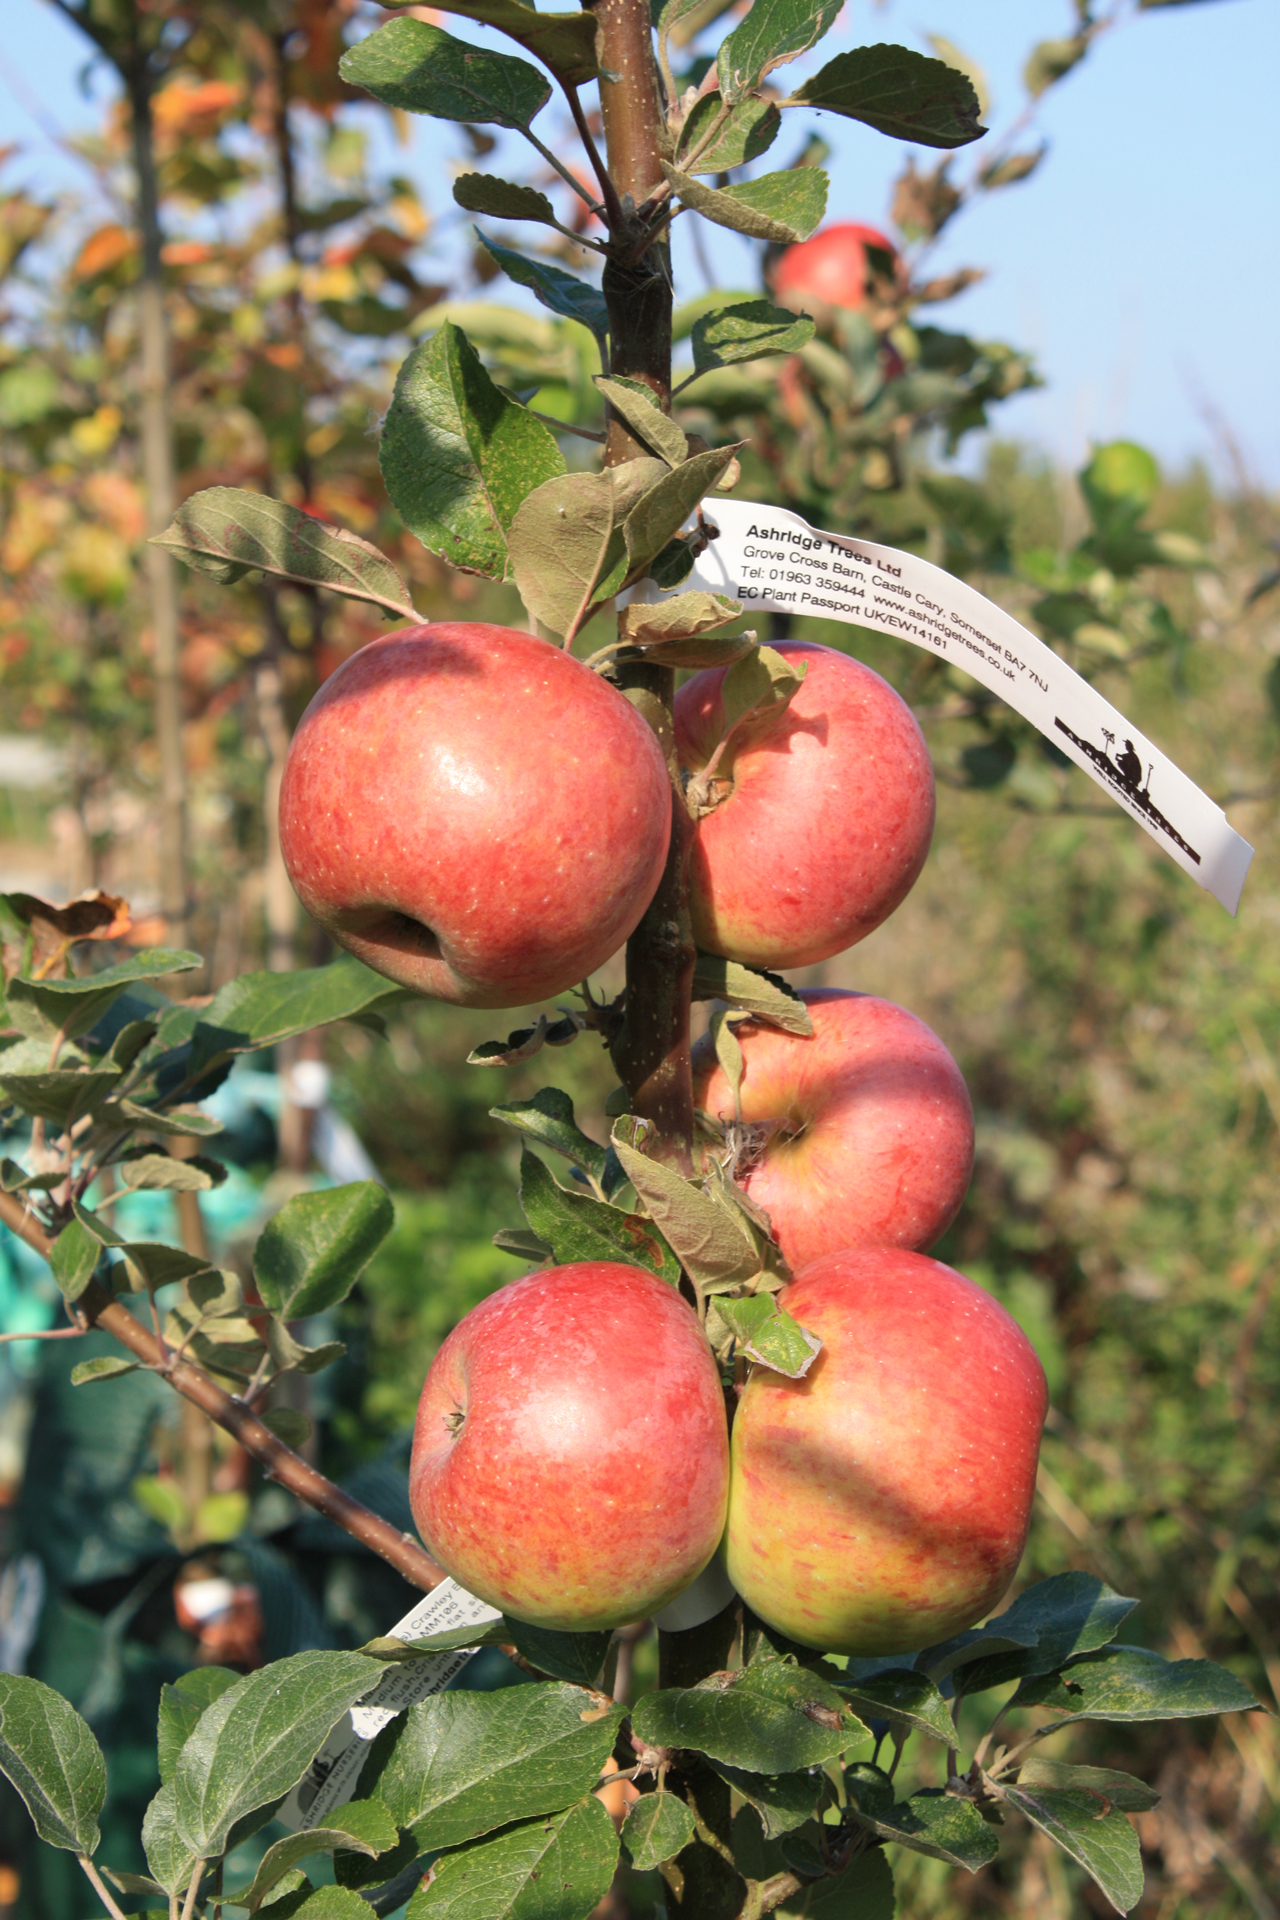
pixel 49 1333
pixel 95 1880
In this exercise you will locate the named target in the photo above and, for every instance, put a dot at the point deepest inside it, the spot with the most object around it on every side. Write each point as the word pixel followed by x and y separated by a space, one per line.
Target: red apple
pixel 571 1458
pixel 826 817
pixel 882 1502
pixel 871 1129
pixel 831 269
pixel 474 813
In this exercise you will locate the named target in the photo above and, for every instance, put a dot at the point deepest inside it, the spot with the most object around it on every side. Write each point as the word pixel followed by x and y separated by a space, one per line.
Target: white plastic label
pixel 771 560
pixel 332 1778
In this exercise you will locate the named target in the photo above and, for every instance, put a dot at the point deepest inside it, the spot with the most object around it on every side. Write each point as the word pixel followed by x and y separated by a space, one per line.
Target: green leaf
pixel 772 1718
pixel 365 1827
pixel 290 1354
pixel 898 92
pixel 747 331
pixel 255 1743
pixel 161 1173
pixel 948 51
pixel 49 1755
pixel 663 510
pixel 766 995
pixel 288 1425
pixel 783 1801
pixel 908 1701
pixel 555 1869
pixel 310 1254
pixel 458 455
pixel 169 1857
pixel 107 1366
pixel 163 1499
pixel 318 1903
pixel 261 1009
pixel 501 199
pixel 461 1764
pixel 780 207
pixel 864 1889
pixel 525 1245
pixel 1102 1840
pixel 181 1705
pixel 564 293
pixel 1132 1683
pixel 61 1094
pixel 149 1264
pixel 190 1126
pixel 71 1007
pixel 773 32
pixel 749 131
pixel 423 69
pixel 221 1517
pixel 225 532
pixel 1070 1614
pixel 1104 1783
pixel 548 1118
pixel 576 1657
pixel 766 1334
pixel 577 1227
pixel 387 1647
pixel 565 42
pixel 561 545
pixel 73 1257
pixel 638 406
pixel 933 1821
pixel 657 1826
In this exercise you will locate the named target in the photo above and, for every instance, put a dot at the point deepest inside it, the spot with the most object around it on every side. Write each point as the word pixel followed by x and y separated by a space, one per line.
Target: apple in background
pixel 571 1456
pixel 826 819
pixel 874 1141
pixel 882 1503
pixel 474 813
pixel 831 269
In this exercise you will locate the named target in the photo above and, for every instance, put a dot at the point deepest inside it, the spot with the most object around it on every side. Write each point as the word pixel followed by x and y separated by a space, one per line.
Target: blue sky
pixel 1141 263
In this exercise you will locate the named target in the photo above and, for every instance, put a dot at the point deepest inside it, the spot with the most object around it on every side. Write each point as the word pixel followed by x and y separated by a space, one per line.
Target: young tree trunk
pixel 652 1051
pixel 157 470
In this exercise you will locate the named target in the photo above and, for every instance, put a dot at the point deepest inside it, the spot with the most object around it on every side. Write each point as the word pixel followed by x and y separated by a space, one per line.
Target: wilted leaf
pixel 781 207
pixel 225 532
pixel 663 510
pixel 423 69
pixel 706 1241
pixel 638 405
pixel 684 618
pixel 766 995
pixel 458 455
pixel 898 92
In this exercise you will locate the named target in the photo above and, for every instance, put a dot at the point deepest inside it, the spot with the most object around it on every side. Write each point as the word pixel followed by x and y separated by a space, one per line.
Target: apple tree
pixel 768 1760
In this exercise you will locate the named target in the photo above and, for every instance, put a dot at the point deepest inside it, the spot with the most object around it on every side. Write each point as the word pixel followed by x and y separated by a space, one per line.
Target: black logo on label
pixel 1125 774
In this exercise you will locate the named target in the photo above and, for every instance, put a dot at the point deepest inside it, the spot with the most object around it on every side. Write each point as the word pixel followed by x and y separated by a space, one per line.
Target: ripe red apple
pixel 831 269
pixel 571 1458
pixel 882 1502
pixel 826 819
pixel 474 813
pixel 872 1141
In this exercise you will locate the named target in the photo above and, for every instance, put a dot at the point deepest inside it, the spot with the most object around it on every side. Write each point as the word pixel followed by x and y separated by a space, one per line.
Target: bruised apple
pixel 882 1503
pixel 474 813
pixel 822 819
pixel 571 1458
pixel 864 1130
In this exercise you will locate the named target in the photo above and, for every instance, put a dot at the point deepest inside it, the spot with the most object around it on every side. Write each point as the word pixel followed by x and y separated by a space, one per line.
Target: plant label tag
pixel 773 561
pixel 332 1778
